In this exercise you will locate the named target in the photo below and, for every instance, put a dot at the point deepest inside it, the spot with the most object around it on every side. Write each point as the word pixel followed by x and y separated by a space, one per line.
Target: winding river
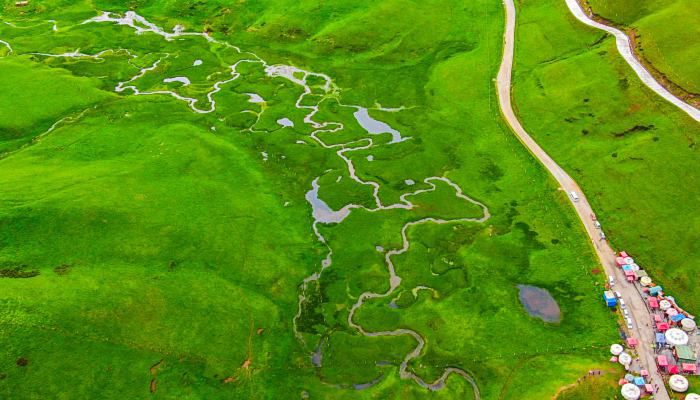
pixel 321 212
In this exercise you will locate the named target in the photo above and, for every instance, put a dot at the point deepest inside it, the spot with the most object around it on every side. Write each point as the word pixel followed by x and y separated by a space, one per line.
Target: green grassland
pixel 634 154
pixel 668 32
pixel 161 250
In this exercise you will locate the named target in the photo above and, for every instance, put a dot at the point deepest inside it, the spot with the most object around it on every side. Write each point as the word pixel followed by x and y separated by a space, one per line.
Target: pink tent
pixel 662 361
pixel 624 254
pixel 692 368
pixel 613 359
pixel 673 369
pixel 657 318
pixel 662 326
pixel 653 302
pixel 631 342
pixel 671 312
pixel 644 372
pixel 649 388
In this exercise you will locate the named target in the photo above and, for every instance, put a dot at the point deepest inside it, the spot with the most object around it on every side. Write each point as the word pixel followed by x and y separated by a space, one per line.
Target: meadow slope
pixel 634 154
pixel 150 248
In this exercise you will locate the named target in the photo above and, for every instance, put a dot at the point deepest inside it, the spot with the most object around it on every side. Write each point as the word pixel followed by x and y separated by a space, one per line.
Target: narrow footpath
pixel 606 254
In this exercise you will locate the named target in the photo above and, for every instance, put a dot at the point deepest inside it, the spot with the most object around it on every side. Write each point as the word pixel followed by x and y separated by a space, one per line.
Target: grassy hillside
pixel 634 154
pixel 150 251
pixel 668 32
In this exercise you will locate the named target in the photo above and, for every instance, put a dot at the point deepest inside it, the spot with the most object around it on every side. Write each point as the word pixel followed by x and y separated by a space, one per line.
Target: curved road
pixel 625 48
pixel 640 314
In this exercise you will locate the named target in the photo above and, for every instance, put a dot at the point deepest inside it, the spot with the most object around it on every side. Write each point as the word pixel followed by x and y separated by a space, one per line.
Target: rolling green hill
pixel 633 153
pixel 150 248
pixel 667 31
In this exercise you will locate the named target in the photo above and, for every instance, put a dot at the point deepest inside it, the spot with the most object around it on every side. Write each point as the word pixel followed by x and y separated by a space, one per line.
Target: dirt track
pixel 640 314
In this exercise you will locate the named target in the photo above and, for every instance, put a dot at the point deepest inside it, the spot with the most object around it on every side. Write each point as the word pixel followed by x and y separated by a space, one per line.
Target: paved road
pixel 625 48
pixel 640 314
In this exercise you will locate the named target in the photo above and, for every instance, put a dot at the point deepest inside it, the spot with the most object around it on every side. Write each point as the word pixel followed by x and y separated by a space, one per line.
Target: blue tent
pixel 660 338
pixel 626 267
pixel 639 381
pixel 655 290
pixel 677 317
pixel 610 299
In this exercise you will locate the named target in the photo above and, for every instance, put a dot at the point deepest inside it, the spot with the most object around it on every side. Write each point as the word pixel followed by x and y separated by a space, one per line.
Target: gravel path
pixel 625 48
pixel 606 254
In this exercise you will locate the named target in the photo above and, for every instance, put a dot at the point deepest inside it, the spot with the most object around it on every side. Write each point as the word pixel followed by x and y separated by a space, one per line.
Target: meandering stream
pixel 321 212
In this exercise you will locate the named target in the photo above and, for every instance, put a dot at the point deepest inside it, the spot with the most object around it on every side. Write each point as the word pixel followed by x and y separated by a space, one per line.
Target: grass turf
pixel 633 153
pixel 667 32
pixel 162 234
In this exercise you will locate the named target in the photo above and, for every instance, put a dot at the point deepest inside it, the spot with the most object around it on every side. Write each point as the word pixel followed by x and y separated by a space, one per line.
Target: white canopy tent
pixel 624 359
pixel 678 383
pixel 675 337
pixel 688 324
pixel 616 349
pixel 630 391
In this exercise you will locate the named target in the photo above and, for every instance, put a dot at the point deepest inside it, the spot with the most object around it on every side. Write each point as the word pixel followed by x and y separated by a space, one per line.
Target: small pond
pixel 539 303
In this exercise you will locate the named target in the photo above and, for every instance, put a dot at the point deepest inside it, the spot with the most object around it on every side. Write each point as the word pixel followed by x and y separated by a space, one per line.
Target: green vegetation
pixel 667 32
pixel 593 387
pixel 634 154
pixel 167 247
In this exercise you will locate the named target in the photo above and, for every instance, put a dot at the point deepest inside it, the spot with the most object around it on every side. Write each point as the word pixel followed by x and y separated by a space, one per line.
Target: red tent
pixel 631 342
pixel 653 302
pixel 662 326
pixel 673 369
pixel 692 368
pixel 662 361
pixel 624 254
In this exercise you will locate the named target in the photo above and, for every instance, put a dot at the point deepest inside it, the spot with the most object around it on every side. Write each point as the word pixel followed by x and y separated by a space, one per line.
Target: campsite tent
pixel 653 302
pixel 678 383
pixel 616 349
pixel 675 337
pixel 689 368
pixel 677 318
pixel 688 325
pixel 630 391
pixel 624 359
pixel 664 304
pixel 660 339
